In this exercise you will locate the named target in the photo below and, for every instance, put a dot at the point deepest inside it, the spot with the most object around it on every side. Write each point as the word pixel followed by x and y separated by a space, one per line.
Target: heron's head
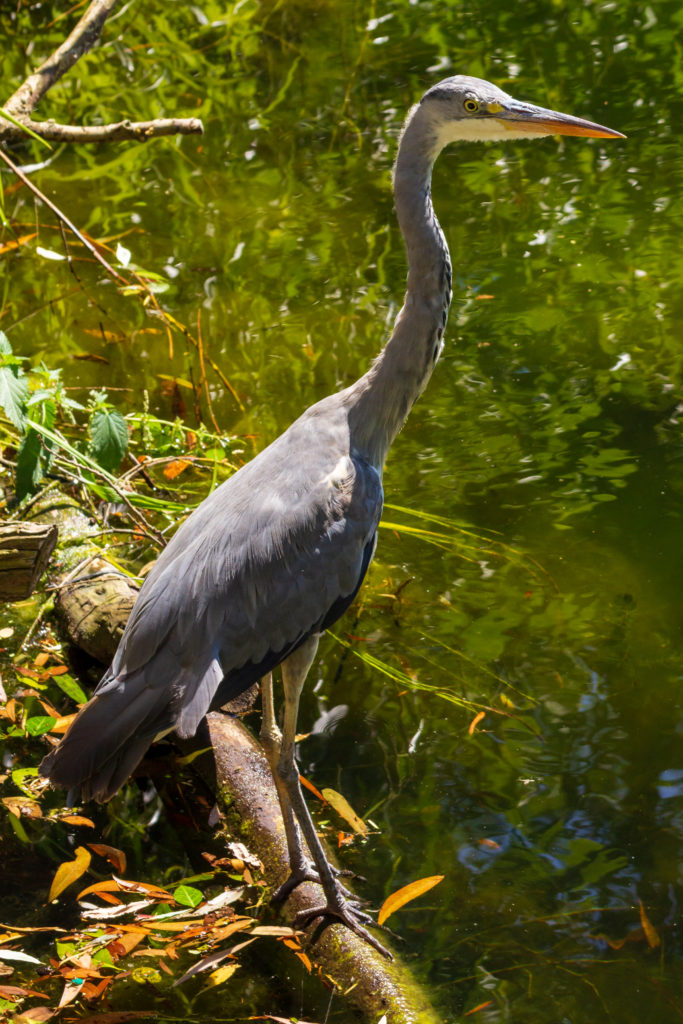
pixel 470 109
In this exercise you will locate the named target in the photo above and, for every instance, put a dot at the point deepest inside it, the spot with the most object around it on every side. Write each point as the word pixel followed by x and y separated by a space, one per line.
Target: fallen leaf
pixel 22 806
pixel 175 468
pixel 221 975
pixel 14 243
pixel 346 811
pixel 77 819
pixel 402 896
pixel 481 1006
pixel 36 1015
pixel 68 873
pixel 110 853
pixel 71 991
pixel 10 991
pixel 310 787
pixel 475 722
pixel 62 724
pixel 651 935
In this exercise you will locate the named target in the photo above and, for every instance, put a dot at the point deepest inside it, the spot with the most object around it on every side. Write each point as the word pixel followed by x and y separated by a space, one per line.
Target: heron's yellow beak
pixel 524 117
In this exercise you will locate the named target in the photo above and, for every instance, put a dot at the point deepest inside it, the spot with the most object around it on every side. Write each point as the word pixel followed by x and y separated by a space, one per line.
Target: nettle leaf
pixel 14 389
pixel 108 437
pixel 29 471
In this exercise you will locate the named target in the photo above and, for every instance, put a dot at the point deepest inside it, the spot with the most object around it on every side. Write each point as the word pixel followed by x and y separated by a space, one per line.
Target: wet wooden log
pixel 25 550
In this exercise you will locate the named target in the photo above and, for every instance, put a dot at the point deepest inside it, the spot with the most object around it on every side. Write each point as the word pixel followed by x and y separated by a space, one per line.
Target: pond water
pixel 549 440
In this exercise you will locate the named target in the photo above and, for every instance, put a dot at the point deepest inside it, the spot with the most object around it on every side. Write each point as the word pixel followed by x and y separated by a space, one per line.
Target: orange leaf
pixel 490 844
pixel 63 722
pixel 481 1006
pixel 475 722
pixel 110 853
pixel 402 896
pixel 68 873
pixel 651 935
pixel 175 468
pixel 77 819
pixel 14 243
pixel 309 786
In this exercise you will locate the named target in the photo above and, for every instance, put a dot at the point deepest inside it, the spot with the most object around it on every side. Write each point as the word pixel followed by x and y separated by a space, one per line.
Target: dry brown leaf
pixel 68 873
pixel 115 857
pixel 651 935
pixel 77 819
pixel 402 896
pixel 10 991
pixel 345 811
pixel 22 806
pixel 36 1015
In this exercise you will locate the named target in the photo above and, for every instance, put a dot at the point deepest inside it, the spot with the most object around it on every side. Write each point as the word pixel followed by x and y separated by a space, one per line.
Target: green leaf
pixel 13 386
pixel 29 468
pixel 187 896
pixel 71 688
pixel 109 437
pixel 39 724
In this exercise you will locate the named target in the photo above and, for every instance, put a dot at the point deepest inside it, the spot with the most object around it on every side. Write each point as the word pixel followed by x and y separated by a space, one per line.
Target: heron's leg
pixel 294 671
pixel 271 740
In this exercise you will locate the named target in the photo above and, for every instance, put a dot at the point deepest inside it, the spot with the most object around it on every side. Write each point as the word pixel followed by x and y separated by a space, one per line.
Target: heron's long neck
pixel 383 397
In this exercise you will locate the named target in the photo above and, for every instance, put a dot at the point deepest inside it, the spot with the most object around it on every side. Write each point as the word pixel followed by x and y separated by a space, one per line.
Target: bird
pixel 276 554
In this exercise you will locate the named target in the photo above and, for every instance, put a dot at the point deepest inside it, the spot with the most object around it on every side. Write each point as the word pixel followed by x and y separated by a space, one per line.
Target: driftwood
pixel 25 549
pixel 93 611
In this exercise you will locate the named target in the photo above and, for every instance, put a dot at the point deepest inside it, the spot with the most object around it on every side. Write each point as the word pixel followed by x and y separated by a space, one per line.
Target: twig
pixel 62 217
pixel 81 39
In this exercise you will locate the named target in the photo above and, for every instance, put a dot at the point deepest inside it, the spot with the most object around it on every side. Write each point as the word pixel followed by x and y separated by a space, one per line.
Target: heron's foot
pixel 308 873
pixel 347 913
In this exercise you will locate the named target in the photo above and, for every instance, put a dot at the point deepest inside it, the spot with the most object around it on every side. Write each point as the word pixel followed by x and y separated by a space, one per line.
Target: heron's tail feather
pixel 106 742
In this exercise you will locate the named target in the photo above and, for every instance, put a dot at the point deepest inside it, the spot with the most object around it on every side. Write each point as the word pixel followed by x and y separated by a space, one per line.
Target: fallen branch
pixel 21 104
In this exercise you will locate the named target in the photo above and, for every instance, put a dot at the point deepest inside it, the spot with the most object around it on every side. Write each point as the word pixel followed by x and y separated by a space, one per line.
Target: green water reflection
pixel 550 432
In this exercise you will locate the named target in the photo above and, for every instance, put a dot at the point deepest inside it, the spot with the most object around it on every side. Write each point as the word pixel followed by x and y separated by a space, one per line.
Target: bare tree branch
pixel 80 40
pixel 140 130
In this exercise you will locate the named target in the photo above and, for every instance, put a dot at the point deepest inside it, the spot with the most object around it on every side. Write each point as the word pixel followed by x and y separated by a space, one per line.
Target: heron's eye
pixel 471 106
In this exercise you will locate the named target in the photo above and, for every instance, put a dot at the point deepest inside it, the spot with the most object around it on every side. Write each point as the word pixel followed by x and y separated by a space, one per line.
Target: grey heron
pixel 278 552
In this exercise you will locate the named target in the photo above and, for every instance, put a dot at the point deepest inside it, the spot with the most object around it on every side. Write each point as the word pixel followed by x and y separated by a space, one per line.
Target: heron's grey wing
pixel 261 564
